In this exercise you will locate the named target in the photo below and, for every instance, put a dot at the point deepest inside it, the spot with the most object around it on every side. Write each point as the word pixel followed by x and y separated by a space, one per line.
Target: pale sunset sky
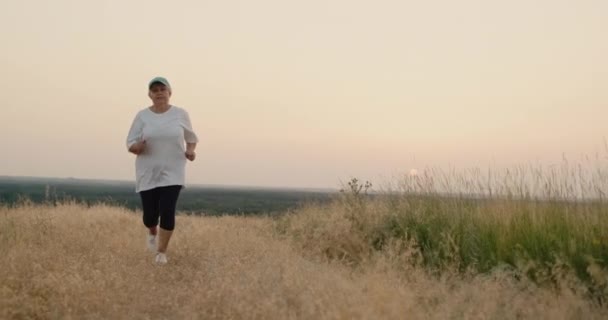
pixel 305 93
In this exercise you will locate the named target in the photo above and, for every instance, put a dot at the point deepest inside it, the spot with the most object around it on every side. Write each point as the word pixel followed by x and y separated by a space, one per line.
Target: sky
pixel 305 93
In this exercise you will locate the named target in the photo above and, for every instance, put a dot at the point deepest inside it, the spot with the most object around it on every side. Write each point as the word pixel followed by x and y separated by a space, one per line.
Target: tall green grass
pixel 547 224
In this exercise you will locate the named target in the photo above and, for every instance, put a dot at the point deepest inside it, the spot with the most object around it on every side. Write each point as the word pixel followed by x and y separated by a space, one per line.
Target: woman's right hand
pixel 138 147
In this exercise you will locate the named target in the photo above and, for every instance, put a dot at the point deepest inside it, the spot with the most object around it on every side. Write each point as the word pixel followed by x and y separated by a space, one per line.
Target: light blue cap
pixel 159 80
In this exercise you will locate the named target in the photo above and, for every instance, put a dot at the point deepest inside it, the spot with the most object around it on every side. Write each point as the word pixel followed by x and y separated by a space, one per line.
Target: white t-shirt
pixel 164 161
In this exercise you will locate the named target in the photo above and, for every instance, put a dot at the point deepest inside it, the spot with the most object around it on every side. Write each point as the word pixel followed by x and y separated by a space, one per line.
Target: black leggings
pixel 160 203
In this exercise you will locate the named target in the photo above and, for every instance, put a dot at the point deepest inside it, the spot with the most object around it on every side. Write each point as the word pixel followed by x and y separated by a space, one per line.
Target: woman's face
pixel 159 93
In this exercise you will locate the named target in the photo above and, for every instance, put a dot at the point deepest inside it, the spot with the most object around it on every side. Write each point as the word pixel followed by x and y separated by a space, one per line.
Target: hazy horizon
pixel 131 182
pixel 305 94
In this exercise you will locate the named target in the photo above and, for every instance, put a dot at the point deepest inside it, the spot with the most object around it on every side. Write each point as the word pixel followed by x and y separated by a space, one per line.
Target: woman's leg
pixel 167 205
pixel 150 201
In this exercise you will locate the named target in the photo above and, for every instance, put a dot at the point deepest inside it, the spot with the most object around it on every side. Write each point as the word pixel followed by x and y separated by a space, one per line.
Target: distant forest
pixel 206 200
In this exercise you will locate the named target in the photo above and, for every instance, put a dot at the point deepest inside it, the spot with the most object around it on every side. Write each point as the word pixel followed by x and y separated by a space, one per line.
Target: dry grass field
pixel 76 262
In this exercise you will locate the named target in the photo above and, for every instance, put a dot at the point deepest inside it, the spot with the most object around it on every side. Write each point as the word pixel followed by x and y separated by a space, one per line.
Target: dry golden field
pixel 74 262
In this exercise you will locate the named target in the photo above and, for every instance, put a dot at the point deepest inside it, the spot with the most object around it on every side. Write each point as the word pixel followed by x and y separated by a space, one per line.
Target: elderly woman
pixel 157 137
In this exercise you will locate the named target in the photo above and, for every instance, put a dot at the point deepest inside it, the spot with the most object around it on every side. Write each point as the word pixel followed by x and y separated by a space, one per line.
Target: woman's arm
pixel 138 147
pixel 135 144
pixel 190 137
pixel 190 154
pixel 190 146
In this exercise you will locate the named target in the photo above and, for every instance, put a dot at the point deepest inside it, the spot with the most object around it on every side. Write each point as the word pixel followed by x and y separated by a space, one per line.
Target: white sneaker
pixel 151 242
pixel 161 258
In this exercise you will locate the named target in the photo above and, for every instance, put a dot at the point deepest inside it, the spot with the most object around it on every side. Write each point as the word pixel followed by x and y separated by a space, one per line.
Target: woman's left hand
pixel 190 155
